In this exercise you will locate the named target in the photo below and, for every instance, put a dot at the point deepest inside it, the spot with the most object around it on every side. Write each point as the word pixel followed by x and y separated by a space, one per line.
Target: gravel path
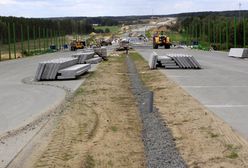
pixel 160 148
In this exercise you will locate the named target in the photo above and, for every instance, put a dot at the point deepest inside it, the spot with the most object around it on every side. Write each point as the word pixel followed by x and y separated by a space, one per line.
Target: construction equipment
pixel 77 44
pixel 161 40
pixel 123 45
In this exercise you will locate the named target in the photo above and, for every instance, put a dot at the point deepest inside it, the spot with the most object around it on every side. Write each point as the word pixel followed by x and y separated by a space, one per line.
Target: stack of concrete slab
pixel 185 61
pixel 74 71
pixel 167 62
pixel 104 52
pixel 101 52
pixel 238 52
pixel 94 60
pixel 153 60
pixel 173 61
pixel 83 56
pixel 85 50
pixel 66 68
pixel 48 70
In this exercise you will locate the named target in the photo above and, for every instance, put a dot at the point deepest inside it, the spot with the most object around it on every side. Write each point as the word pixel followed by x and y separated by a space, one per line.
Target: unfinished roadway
pixel 221 86
pixel 23 100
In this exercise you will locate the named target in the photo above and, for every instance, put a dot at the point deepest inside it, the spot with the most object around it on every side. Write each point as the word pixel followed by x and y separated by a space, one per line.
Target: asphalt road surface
pixel 221 86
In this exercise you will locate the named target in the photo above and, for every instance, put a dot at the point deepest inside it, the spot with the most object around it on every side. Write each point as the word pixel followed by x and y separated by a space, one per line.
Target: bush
pixel 107 30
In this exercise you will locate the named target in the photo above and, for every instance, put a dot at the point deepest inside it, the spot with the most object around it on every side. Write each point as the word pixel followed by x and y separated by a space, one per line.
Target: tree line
pixel 222 31
pixel 31 27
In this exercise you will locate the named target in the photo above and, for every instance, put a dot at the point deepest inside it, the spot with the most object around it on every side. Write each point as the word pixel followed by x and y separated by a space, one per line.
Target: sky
pixel 61 8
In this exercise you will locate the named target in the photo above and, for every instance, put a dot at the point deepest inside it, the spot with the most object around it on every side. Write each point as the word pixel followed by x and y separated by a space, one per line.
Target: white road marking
pixel 225 106
pixel 215 86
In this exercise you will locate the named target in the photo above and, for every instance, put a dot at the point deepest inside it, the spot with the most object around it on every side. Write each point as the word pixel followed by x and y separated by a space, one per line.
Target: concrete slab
pixel 153 60
pixel 73 71
pixel 238 52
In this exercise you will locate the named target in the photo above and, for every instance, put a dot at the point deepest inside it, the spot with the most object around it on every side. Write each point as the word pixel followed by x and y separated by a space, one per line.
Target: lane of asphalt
pixel 19 102
pixel 221 86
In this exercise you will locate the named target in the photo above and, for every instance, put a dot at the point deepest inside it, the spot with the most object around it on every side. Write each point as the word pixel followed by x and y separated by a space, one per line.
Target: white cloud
pixel 184 5
pixel 7 2
pixel 54 8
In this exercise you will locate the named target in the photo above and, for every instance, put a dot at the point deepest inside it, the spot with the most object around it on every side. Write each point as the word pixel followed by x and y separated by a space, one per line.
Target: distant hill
pixel 130 19
pixel 216 13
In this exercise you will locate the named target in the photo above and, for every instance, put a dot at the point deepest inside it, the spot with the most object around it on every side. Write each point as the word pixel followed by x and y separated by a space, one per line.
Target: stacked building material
pixel 238 52
pixel 167 62
pixel 101 52
pixel 185 61
pixel 94 60
pixel 153 60
pixel 48 70
pixel 66 68
pixel 74 71
pixel 83 56
pixel 173 61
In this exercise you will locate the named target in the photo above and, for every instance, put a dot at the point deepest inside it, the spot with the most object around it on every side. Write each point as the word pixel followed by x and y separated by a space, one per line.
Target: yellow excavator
pixel 159 39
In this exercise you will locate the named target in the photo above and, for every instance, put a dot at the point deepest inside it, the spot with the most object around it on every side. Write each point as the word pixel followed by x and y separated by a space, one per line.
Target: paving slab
pixel 238 52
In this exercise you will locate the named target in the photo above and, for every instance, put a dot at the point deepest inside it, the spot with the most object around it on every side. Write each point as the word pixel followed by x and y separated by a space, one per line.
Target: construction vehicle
pixel 77 44
pixel 161 40
pixel 123 45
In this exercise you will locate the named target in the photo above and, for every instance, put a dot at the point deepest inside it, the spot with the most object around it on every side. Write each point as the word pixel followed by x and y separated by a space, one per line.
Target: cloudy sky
pixel 57 8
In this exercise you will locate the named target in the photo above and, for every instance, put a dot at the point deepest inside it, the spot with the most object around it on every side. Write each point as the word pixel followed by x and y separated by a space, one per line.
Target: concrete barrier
pixel 48 70
pixel 74 71
pixel 238 52
pixel 83 56
pixel 94 60
pixel 153 60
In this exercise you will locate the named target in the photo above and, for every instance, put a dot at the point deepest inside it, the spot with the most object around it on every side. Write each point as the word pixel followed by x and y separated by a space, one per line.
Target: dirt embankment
pixel 100 126
pixel 201 137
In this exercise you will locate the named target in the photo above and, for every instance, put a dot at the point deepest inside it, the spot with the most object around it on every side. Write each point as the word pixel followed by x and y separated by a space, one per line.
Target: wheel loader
pixel 77 44
pixel 161 40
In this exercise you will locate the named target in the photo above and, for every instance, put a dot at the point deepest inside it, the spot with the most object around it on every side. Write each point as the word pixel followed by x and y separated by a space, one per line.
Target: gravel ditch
pixel 160 148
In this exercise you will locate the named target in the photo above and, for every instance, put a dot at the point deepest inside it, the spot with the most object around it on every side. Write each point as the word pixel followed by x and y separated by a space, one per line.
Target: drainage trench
pixel 160 149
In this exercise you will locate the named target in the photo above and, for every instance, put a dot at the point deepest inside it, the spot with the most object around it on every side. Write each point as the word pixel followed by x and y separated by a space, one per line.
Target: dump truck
pixel 77 44
pixel 161 40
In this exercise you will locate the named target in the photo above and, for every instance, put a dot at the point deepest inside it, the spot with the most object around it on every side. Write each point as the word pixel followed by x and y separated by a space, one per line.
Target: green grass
pixel 148 34
pixel 233 151
pixel 113 29
pixel 90 162
pixel 233 155
pixel 114 128
pixel 174 36
pixel 136 56
pixel 110 163
pixel 34 48
pixel 214 135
